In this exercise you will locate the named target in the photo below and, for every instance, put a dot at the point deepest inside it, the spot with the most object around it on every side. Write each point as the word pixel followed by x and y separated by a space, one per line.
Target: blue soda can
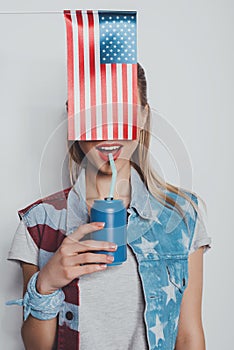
pixel 114 214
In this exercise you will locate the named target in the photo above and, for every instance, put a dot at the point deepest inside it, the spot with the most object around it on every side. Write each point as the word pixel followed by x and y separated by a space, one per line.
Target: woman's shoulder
pixel 44 221
pixel 56 201
pixel 188 201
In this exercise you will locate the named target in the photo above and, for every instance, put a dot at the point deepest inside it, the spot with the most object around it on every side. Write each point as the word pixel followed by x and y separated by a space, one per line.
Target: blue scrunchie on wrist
pixel 42 307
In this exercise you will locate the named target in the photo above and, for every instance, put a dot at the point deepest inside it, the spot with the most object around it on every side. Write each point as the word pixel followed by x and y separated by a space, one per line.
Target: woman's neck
pixel 98 184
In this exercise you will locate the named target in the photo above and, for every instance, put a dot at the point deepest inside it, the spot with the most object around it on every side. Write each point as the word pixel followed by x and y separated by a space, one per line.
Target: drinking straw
pixel 114 175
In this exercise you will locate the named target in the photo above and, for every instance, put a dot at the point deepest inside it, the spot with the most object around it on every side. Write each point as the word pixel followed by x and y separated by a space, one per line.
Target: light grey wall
pixel 187 50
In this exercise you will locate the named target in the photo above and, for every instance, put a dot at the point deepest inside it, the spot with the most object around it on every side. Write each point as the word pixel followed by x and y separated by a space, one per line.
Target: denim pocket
pixel 177 270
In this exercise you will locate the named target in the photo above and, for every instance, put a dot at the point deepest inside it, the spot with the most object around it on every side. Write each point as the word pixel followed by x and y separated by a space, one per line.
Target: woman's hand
pixel 66 263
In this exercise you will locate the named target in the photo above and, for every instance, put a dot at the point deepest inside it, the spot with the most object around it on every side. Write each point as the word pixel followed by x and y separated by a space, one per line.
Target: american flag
pixel 102 74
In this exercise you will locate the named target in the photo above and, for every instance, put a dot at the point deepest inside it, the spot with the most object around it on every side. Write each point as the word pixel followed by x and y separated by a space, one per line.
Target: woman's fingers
pixel 85 229
pixel 80 247
pixel 81 264
pixel 86 258
pixel 86 269
pixel 74 258
pixel 83 246
pixel 77 271
pixel 75 245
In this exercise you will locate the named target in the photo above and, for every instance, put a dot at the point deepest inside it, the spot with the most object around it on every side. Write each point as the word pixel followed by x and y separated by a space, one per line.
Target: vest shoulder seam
pixel 50 199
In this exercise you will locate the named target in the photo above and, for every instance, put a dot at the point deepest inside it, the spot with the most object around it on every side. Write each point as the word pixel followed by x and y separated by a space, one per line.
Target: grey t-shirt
pixel 106 296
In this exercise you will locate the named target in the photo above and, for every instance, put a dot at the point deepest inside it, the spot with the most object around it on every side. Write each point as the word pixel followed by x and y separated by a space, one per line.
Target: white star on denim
pixel 155 213
pixel 176 321
pixel 158 330
pixel 185 239
pixel 187 207
pixel 170 291
pixel 147 247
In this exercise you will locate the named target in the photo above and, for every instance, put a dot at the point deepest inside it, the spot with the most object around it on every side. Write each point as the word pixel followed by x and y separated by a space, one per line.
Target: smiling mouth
pixel 104 150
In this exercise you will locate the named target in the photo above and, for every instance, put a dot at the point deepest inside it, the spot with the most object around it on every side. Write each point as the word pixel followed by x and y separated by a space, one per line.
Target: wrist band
pixel 42 307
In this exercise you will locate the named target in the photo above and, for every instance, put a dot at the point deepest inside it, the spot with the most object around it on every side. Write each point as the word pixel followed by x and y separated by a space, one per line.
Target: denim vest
pixel 158 237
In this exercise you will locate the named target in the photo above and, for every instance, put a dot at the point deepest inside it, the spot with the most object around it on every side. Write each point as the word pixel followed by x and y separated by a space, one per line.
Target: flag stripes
pixel 102 97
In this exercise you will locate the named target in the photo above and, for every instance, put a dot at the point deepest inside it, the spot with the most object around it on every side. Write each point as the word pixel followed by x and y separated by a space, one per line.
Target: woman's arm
pixel 37 334
pixel 72 260
pixel 190 333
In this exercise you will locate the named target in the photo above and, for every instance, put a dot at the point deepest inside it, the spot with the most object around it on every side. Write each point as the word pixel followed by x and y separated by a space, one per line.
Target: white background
pixel 186 48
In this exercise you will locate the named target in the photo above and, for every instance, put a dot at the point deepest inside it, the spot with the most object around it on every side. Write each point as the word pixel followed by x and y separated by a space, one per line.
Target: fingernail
pixel 102 266
pixel 110 258
pixel 113 246
pixel 98 224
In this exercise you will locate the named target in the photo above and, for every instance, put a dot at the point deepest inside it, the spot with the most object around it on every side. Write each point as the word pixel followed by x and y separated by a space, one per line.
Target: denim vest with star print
pixel 157 235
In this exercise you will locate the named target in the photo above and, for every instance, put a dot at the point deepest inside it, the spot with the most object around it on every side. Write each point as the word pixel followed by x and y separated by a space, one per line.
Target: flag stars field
pixel 124 29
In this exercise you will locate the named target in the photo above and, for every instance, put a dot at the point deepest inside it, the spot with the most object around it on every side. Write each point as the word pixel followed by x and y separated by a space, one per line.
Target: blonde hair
pixel 140 160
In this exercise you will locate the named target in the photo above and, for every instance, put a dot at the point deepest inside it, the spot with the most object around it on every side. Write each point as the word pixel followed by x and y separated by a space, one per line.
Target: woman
pixel 148 302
